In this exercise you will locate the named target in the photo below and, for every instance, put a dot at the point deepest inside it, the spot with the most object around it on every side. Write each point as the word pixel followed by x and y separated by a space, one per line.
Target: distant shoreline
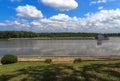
pixel 55 38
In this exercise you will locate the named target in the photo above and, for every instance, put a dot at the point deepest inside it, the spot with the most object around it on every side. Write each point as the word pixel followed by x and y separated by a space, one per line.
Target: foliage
pixel 8 59
pixel 26 34
pixel 77 60
pixel 48 61
pixel 29 34
pixel 17 34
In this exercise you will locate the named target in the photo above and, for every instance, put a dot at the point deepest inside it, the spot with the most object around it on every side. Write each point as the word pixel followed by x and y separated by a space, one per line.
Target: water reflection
pixel 61 47
pixel 99 42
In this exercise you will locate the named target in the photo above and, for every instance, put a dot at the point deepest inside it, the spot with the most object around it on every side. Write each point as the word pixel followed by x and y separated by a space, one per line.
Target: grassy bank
pixel 39 71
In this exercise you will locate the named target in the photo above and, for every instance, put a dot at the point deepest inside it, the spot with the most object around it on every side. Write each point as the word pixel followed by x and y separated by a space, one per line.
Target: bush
pixel 8 59
pixel 77 60
pixel 48 61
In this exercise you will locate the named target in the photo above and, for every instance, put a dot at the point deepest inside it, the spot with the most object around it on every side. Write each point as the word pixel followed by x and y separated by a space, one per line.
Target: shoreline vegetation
pixel 55 38
pixel 64 59
pixel 52 35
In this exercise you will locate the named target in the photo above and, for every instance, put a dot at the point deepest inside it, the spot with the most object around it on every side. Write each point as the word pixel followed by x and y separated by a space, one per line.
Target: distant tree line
pixel 68 34
pixel 17 34
pixel 28 34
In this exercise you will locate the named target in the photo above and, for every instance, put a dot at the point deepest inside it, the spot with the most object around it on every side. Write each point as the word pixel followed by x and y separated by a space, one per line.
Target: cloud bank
pixel 104 21
pixel 61 4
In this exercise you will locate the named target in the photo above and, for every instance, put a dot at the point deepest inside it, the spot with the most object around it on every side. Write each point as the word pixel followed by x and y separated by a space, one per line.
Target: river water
pixel 60 47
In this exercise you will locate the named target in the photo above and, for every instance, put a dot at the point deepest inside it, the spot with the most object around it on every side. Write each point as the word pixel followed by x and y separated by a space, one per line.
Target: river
pixel 60 47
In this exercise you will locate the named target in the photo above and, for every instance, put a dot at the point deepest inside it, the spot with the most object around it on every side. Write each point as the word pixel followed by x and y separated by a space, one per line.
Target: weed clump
pixel 48 61
pixel 77 60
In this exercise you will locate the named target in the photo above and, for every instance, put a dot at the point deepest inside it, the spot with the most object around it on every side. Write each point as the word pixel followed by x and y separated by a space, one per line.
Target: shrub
pixel 8 59
pixel 48 61
pixel 77 60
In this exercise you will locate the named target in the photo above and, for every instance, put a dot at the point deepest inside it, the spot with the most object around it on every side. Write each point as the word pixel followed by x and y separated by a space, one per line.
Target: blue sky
pixel 60 15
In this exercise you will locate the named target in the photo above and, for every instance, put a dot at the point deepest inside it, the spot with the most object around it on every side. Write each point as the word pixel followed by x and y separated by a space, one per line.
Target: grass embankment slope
pixel 39 71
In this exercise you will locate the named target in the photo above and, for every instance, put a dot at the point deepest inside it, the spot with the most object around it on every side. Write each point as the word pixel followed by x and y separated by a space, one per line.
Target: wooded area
pixel 29 34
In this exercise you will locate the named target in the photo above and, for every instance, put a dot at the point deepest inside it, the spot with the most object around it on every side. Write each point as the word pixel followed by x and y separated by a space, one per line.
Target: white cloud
pixel 15 0
pixel 102 21
pixel 18 24
pixel 60 17
pixel 2 24
pixel 100 8
pixel 55 24
pixel 61 4
pixel 105 20
pixel 100 1
pixel 29 11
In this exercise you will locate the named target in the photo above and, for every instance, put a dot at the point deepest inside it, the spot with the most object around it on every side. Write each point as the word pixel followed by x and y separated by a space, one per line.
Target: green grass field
pixel 39 71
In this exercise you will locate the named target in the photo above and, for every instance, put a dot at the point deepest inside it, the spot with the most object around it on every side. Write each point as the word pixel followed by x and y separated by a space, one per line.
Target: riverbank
pixel 40 71
pixel 55 38
pixel 65 58
pixel 84 58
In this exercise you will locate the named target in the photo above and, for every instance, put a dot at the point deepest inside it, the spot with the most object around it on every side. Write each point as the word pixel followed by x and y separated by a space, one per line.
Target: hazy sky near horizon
pixel 60 15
